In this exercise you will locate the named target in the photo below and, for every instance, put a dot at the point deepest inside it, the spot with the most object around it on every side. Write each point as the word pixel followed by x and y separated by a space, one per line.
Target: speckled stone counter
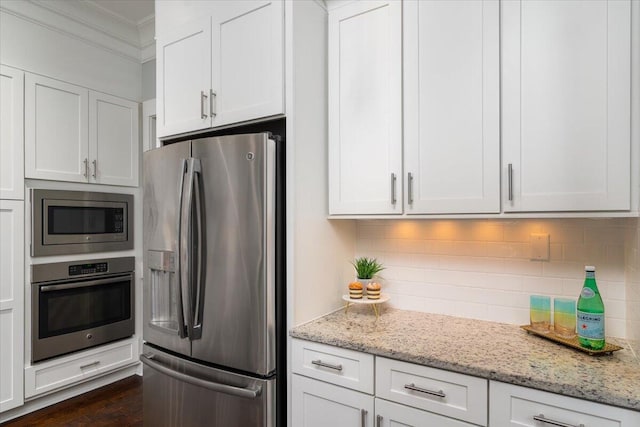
pixel 489 350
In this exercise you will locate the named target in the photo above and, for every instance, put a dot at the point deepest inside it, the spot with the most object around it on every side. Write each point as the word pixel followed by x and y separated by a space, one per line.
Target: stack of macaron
pixel 373 290
pixel 355 290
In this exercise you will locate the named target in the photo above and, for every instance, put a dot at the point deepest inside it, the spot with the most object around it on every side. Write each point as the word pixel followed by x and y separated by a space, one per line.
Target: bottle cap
pixel 589 268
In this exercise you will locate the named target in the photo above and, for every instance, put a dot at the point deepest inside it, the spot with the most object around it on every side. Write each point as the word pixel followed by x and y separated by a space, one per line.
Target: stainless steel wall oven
pixel 73 222
pixel 80 304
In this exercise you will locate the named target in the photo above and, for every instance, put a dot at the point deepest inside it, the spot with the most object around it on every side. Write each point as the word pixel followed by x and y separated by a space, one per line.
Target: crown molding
pixel 90 23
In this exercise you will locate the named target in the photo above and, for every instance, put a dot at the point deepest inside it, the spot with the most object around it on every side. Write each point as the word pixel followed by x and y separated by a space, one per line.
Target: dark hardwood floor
pixel 118 404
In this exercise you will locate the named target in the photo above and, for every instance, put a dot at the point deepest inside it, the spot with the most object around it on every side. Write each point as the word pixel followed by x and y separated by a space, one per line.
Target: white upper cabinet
pixel 183 78
pixel 56 130
pixel 451 106
pixel 74 134
pixel 365 108
pixel 11 133
pixel 113 140
pixel 248 61
pixel 566 105
pixel 227 67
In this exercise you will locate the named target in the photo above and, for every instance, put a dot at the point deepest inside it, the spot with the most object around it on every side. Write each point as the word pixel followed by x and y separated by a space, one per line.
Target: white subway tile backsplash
pixel 481 268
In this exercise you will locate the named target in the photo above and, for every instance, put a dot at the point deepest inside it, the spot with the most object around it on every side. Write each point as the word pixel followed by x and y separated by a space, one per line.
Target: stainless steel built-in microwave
pixel 74 222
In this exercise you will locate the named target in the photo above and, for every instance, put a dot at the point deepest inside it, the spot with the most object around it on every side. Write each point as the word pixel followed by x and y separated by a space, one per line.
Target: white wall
pixel 149 80
pixel 319 250
pixel 482 269
pixel 29 44
pixel 632 289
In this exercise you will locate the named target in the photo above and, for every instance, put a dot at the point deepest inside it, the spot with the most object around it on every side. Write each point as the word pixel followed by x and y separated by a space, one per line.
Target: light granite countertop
pixel 490 350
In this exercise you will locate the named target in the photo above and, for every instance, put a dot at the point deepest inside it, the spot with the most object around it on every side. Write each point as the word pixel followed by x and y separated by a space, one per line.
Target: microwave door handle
pixel 180 291
pixel 83 284
pixel 200 254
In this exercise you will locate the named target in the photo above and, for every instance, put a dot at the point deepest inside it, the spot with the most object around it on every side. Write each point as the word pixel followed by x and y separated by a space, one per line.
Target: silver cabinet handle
pixel 203 115
pixel 86 167
pixel 510 178
pixel 363 417
pixel 393 188
pixel 97 362
pixel 379 421
pixel 95 168
pixel 542 419
pixel 413 387
pixel 327 365
pixel 410 187
pixel 213 102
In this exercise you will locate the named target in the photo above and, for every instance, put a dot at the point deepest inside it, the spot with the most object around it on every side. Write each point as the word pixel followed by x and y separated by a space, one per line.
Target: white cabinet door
pixel 113 140
pixel 566 105
pixel 12 288
pixel 365 108
pixel 515 406
pixel 451 106
pixel 11 133
pixel 183 71
pixel 390 414
pixel 248 61
pixel 56 130
pixel 318 404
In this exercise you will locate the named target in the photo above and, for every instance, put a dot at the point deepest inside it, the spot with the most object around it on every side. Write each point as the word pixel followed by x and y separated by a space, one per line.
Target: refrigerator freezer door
pixel 237 299
pixel 164 321
pixel 179 392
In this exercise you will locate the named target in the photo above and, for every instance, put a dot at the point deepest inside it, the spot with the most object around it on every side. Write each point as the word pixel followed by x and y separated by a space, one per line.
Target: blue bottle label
pixel 590 325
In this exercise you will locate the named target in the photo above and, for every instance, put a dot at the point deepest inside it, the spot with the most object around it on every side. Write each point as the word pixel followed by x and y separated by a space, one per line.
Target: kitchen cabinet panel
pixel 11 133
pixel 11 304
pixel 113 141
pixel 56 130
pixel 389 414
pixel 451 107
pixel 346 368
pixel 75 134
pixel 222 69
pixel 512 405
pixel 365 108
pixel 251 84
pixel 60 372
pixel 566 105
pixel 183 78
pixel 447 393
pixel 318 404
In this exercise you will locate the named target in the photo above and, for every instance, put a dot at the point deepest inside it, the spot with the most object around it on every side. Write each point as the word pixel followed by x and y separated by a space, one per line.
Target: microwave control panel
pixel 79 269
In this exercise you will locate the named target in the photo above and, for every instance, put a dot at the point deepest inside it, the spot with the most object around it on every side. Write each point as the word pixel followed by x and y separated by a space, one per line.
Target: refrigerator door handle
pixel 248 392
pixel 198 306
pixel 186 240
pixel 181 294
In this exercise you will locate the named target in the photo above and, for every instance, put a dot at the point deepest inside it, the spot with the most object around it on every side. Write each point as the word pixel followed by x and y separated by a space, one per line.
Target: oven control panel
pixel 79 269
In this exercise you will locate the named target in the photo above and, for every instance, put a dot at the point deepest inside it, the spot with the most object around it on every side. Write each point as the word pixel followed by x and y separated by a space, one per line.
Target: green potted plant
pixel 366 268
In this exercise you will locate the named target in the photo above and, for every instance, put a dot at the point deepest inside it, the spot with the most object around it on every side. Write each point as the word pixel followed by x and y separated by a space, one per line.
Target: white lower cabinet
pixel 389 414
pixel 318 404
pixel 442 392
pixel 56 373
pixel 512 405
pixel 407 394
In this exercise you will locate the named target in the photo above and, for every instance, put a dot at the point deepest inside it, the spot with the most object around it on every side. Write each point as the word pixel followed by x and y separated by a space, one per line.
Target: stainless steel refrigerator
pixel 213 283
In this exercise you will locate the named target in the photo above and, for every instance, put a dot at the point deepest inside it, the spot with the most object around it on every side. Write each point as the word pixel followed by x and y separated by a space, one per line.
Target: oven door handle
pixel 63 286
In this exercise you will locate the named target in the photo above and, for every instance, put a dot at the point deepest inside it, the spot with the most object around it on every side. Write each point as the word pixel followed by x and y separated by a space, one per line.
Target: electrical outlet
pixel 539 246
